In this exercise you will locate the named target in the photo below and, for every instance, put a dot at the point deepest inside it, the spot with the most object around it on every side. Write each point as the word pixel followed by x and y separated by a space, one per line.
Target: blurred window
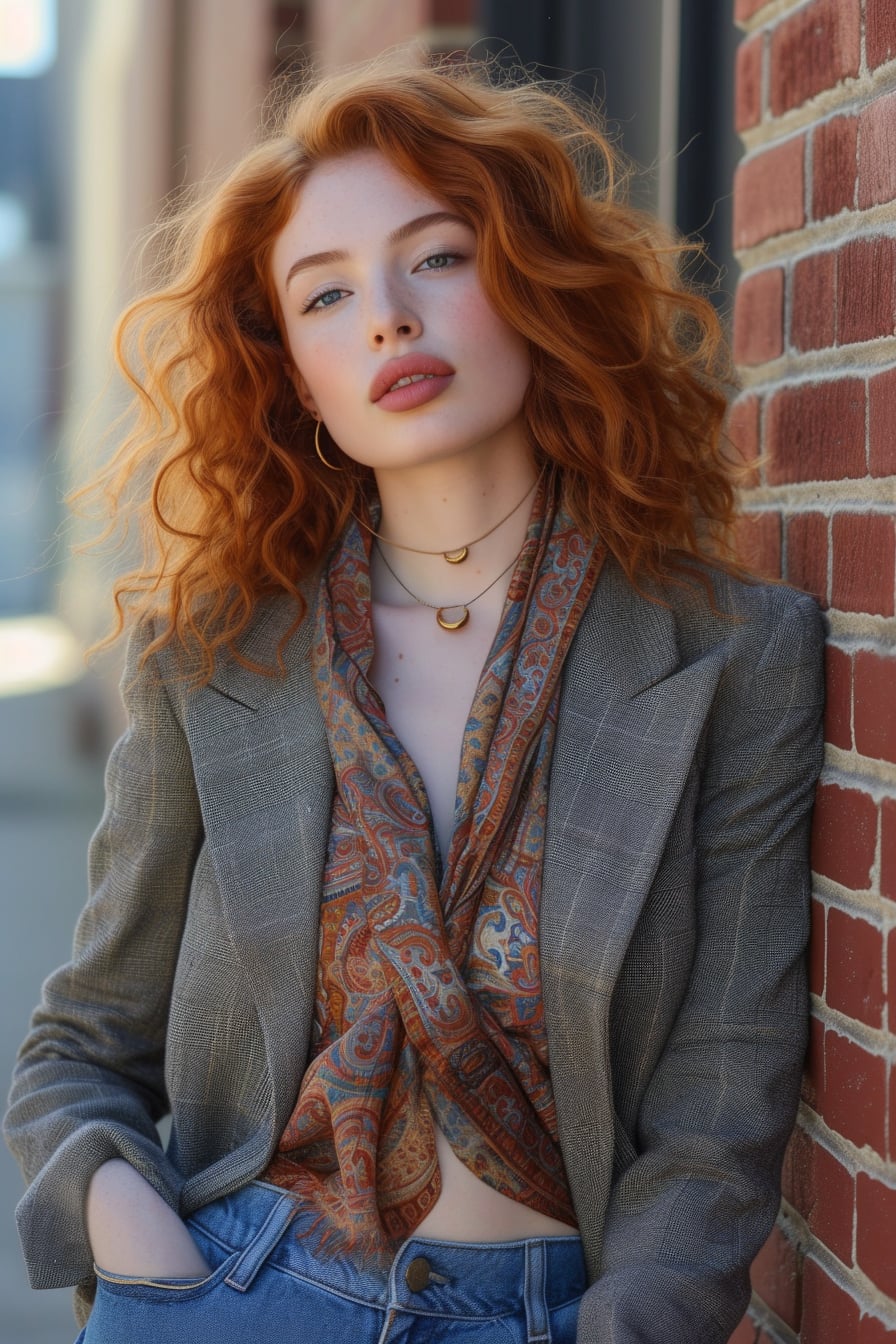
pixel 27 37
pixel 31 177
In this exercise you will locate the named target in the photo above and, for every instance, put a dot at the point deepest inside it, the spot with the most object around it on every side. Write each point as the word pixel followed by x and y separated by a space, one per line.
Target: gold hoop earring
pixel 317 426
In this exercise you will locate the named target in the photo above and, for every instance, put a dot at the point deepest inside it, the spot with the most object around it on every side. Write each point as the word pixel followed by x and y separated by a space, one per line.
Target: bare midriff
pixel 469 1210
pixel 427 678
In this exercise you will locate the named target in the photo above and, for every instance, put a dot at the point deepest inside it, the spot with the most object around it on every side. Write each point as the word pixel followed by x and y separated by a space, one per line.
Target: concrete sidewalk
pixel 50 801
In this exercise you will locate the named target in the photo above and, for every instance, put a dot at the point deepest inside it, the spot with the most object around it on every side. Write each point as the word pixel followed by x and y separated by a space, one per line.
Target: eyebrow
pixel 399 235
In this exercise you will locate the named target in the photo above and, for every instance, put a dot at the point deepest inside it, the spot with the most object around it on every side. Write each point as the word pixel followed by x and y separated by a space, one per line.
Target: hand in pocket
pixel 134 1233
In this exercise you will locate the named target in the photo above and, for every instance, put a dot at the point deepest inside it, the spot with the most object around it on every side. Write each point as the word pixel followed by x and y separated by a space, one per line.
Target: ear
pixel 303 392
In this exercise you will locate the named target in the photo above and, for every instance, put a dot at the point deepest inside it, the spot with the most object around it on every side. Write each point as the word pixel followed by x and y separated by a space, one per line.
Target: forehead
pixel 346 200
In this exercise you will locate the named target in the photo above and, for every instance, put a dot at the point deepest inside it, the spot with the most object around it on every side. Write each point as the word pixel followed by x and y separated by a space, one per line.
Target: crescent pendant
pixel 456 557
pixel 446 623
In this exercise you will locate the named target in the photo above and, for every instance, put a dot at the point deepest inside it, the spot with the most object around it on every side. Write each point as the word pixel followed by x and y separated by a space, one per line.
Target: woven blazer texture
pixel 673 924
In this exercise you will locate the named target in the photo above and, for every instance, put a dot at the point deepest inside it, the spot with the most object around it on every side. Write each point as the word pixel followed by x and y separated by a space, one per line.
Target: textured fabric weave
pixel 672 923
pixel 428 990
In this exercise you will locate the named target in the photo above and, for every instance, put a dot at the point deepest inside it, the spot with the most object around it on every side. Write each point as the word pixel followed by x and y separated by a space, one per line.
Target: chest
pixel 427 678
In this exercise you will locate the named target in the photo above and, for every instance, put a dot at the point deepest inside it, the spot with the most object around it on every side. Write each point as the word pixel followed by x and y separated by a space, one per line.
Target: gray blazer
pixel 673 924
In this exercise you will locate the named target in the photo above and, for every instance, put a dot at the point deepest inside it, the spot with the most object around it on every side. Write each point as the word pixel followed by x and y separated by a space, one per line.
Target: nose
pixel 392 318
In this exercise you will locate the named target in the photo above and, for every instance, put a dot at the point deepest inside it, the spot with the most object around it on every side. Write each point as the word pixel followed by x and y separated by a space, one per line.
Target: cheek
pixel 317 367
pixel 501 345
pixel 510 359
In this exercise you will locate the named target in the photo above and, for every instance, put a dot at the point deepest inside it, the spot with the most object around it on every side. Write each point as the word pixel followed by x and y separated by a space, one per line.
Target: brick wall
pixel 815 314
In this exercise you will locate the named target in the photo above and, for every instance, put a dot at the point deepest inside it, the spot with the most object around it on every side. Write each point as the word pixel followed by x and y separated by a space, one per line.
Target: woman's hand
pixel 134 1232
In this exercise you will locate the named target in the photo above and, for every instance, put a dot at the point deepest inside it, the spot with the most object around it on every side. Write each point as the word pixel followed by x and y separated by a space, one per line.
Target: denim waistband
pixel 433 1277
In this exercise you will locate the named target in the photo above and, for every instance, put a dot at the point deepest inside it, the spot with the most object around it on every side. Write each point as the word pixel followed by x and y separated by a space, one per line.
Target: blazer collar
pixel 266 642
pixel 631 714
pixel 630 637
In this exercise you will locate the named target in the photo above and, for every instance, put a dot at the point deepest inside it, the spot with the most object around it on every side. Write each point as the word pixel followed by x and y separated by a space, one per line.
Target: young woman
pixel 451 890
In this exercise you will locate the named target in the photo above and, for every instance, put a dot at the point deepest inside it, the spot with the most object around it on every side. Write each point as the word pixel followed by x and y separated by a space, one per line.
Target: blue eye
pixel 439 261
pixel 324 300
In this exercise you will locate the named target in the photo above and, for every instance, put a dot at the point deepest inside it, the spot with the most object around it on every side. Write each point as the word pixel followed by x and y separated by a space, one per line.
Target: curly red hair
pixel 629 365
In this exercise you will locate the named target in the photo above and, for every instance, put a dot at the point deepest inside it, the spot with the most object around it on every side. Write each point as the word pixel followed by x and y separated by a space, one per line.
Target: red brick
pixel 855 968
pixel 873 1331
pixel 824 1193
pixel 745 9
pixel 813 50
pixel 812 1087
pixel 892 1113
pixel 797 1157
pixel 745 1333
pixel 768 193
pixel 775 1276
pixel 759 317
pixel 830 1316
pixel 834 166
pixel 876 1232
pixel 838 698
pixel 891 964
pixel 807 554
pixel 816 432
pixel 743 436
pixel 880 32
pixel 877 152
pixel 759 543
pixel 882 424
pixel 854 1100
pixel 864 546
pixel 844 835
pixel 866 290
pixel 830 1209
pixel 817 949
pixel 812 323
pixel 888 880
pixel 875 706
pixel 748 83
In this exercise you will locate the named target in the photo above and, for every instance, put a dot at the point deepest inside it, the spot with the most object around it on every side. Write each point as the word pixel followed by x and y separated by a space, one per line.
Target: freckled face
pixel 378 285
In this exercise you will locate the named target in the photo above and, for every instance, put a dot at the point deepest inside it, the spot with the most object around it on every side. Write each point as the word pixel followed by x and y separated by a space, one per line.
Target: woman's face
pixel 377 282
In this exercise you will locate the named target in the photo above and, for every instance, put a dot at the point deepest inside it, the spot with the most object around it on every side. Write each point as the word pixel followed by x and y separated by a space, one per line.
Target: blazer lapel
pixel 630 719
pixel 265 779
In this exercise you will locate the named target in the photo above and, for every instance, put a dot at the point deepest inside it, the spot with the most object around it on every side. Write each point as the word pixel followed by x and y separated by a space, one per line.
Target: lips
pixel 418 368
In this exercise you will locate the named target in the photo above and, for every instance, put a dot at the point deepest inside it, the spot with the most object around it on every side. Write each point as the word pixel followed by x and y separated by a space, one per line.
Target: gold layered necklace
pixel 452 616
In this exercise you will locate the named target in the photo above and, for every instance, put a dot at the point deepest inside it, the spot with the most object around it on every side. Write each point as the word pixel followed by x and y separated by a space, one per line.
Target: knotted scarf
pixel 428 1002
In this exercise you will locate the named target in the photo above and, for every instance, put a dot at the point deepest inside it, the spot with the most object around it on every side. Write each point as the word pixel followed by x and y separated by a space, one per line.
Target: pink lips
pixel 405 398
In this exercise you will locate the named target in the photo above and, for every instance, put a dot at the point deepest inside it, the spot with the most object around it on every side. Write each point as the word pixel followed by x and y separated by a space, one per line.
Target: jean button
pixel 417 1274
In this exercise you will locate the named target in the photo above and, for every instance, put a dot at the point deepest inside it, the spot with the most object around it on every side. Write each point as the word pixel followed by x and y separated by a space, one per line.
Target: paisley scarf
pixel 428 1006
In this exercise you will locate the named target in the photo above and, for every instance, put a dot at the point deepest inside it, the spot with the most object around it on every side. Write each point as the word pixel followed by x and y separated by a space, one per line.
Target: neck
pixel 440 506
pixel 483 504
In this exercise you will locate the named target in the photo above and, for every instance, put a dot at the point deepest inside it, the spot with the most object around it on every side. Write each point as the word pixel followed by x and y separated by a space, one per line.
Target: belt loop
pixel 538 1326
pixel 261 1245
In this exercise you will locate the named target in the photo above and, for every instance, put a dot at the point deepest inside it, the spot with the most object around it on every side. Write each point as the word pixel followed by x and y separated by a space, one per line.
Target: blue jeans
pixel 269 1282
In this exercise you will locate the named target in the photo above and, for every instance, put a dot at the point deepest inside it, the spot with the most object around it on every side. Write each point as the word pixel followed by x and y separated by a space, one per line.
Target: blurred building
pixel 141 98
pixel 107 108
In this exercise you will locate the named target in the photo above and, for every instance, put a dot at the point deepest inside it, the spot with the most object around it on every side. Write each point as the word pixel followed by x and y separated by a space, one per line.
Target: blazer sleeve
pixel 691 1211
pixel 89 1082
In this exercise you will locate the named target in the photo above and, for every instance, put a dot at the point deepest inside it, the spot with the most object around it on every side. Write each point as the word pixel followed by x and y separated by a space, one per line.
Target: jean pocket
pixel 151 1288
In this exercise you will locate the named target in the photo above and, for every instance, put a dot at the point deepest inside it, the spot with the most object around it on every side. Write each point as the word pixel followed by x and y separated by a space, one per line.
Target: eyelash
pixel 312 304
